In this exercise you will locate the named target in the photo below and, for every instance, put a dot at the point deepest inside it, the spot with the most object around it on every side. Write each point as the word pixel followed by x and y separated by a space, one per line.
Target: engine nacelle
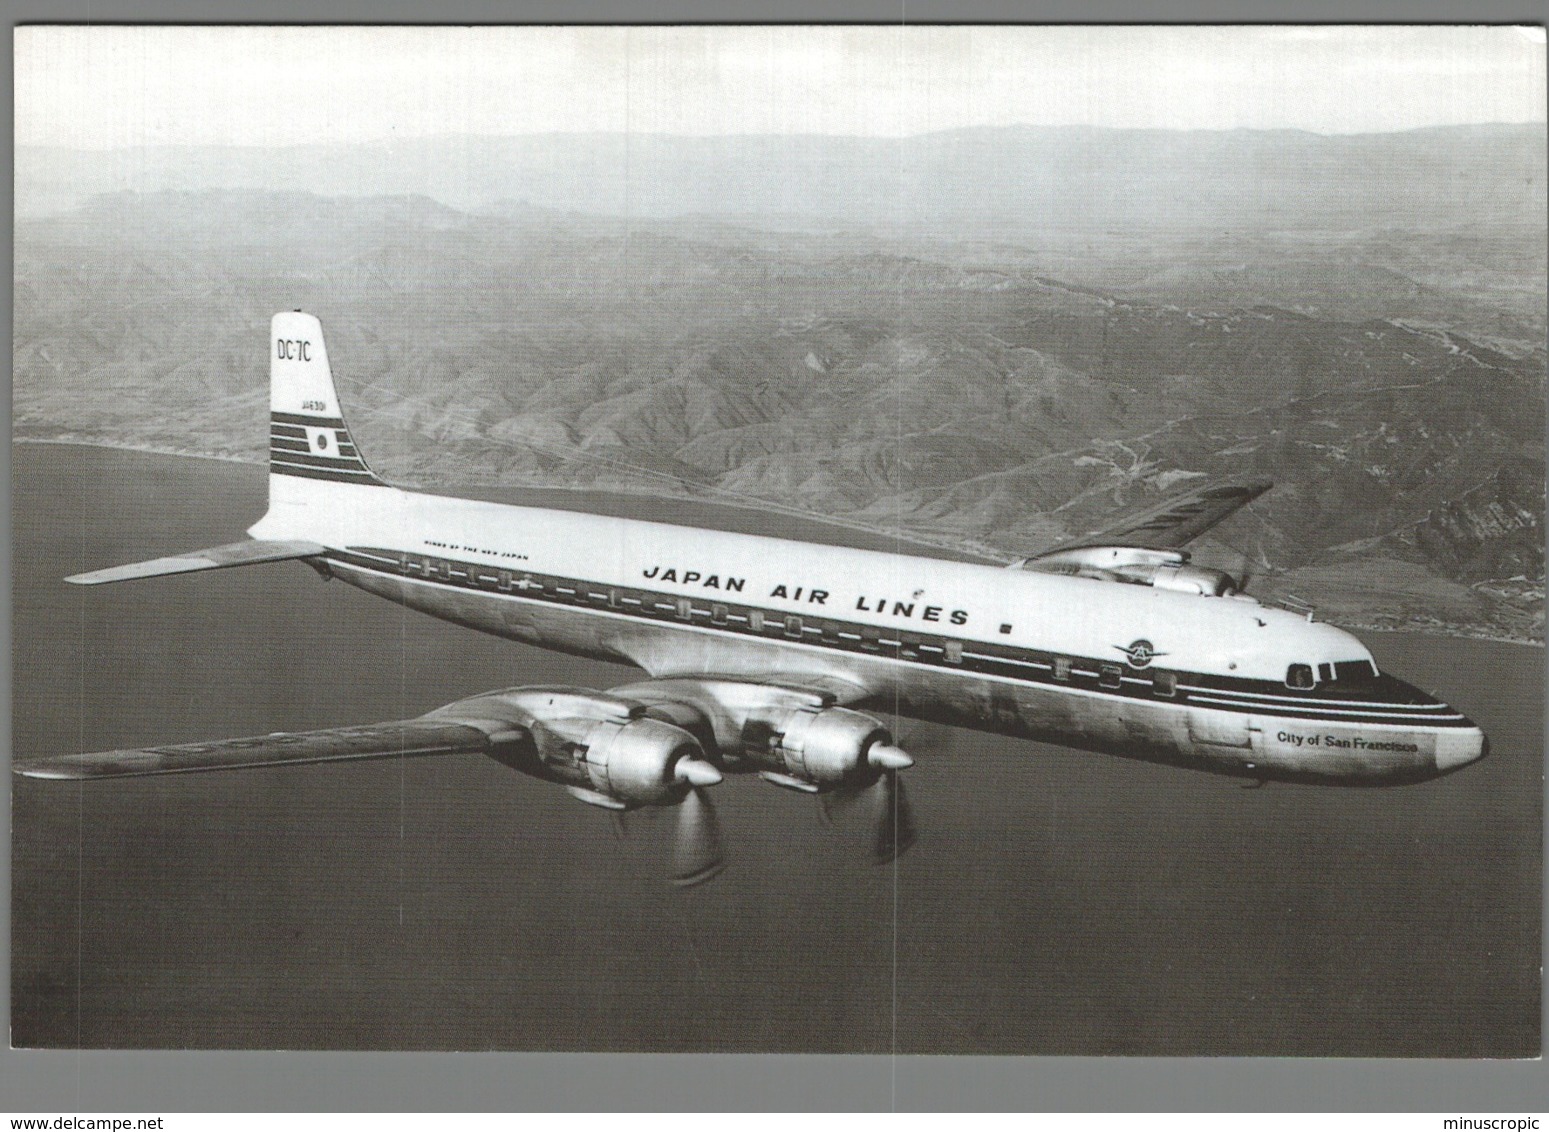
pixel 1195 580
pixel 636 762
pixel 603 747
pixel 1137 566
pixel 825 747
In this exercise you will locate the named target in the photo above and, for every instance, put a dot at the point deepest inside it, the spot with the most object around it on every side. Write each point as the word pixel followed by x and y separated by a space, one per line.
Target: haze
pixel 108 87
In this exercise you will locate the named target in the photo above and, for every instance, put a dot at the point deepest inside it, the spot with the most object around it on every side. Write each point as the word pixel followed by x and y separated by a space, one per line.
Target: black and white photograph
pixel 974 540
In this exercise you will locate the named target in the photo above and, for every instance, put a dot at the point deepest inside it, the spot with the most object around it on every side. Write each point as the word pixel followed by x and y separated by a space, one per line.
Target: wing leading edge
pixel 411 738
pixel 245 553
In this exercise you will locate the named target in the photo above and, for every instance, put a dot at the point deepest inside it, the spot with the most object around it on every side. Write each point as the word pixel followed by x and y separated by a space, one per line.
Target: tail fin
pixel 308 438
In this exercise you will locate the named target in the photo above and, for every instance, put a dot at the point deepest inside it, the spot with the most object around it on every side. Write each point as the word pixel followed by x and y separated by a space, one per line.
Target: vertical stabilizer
pixel 308 439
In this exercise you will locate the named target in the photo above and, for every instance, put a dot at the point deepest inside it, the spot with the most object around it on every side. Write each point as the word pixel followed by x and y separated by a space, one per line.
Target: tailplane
pixel 308 438
pixel 215 558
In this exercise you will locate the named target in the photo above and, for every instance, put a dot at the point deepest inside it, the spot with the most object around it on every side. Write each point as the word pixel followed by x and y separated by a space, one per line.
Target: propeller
pixel 698 853
pixel 895 824
pixel 889 812
pixel 1248 568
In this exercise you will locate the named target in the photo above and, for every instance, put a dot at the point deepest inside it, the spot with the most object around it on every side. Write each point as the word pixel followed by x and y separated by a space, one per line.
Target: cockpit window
pixel 1355 671
pixel 1299 676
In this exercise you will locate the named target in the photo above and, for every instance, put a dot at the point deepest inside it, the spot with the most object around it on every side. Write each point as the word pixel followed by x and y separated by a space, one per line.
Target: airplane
pixel 764 655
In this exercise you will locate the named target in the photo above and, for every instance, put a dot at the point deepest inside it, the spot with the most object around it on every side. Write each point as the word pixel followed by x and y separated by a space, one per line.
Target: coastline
pixel 147 448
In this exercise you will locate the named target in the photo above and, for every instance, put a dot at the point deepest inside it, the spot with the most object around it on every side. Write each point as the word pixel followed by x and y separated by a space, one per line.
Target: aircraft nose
pixel 1458 748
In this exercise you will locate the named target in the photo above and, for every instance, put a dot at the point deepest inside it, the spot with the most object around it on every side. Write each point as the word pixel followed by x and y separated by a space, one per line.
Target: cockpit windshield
pixel 1355 671
pixel 1350 673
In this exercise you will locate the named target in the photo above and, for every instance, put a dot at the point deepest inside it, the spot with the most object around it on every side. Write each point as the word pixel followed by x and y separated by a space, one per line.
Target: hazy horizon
pixel 987 175
pixel 474 135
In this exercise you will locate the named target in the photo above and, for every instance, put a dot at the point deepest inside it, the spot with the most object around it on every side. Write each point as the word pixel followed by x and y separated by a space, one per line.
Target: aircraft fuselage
pixel 1186 679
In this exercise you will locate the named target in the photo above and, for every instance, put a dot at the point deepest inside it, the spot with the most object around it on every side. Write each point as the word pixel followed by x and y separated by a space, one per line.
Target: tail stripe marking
pixel 331 462
pixel 291 450
pixel 277 417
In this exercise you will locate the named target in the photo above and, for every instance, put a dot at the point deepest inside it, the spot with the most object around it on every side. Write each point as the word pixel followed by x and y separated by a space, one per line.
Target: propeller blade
pixel 697 851
pixel 834 804
pixel 1254 566
pixel 895 820
pixel 616 820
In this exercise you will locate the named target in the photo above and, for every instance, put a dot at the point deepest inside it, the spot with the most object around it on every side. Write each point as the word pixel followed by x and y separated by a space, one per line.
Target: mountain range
pixel 982 180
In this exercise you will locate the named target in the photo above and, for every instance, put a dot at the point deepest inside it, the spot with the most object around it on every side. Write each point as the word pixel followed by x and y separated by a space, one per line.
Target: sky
pixel 106 87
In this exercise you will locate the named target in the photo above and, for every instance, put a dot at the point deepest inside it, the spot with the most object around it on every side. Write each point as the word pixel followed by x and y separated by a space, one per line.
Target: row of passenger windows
pixel 1163 682
pixel 1109 676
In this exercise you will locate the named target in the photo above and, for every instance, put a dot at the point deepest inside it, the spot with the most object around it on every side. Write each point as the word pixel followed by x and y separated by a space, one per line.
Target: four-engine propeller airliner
pixel 763 655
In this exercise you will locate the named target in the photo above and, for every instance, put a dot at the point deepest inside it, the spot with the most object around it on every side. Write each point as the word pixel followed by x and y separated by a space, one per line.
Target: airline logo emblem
pixel 1139 653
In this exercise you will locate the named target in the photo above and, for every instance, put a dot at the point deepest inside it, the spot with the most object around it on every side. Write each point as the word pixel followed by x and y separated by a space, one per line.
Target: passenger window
pixel 793 626
pixel 717 614
pixel 1110 676
pixel 1299 676
pixel 1164 684
pixel 756 620
pixel 1062 668
pixel 954 652
pixel 685 608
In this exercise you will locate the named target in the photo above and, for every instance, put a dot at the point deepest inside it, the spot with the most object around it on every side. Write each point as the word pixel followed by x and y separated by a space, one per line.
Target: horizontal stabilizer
pixel 215 558
pixel 408 739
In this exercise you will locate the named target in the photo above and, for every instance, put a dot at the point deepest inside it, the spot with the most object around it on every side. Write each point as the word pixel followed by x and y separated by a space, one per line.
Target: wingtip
pixel 48 773
pixel 1235 489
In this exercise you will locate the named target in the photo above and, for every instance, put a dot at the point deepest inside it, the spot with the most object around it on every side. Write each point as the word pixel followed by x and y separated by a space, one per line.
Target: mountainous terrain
pixel 990 392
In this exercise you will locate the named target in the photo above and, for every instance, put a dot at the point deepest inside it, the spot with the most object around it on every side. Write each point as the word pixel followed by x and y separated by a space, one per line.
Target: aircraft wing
pixel 408 738
pixel 215 558
pixel 1172 523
